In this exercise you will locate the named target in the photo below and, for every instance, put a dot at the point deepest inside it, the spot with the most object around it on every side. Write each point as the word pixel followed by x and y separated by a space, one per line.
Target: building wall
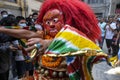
pixel 11 7
pixel 101 9
pixel 104 9
pixel 26 7
pixel 33 6
pixel 113 6
pixel 20 7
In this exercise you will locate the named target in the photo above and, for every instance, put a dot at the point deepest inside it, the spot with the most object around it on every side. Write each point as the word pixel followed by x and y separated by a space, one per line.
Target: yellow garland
pixel 50 62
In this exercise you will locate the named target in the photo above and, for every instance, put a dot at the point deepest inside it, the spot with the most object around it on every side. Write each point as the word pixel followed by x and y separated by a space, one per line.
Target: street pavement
pixel 104 47
pixel 100 70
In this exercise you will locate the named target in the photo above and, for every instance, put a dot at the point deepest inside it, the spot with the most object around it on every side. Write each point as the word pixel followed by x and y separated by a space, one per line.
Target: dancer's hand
pixel 33 42
pixel 13 48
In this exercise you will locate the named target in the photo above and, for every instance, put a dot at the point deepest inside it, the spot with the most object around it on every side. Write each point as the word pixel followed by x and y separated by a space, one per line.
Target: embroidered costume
pixel 73 27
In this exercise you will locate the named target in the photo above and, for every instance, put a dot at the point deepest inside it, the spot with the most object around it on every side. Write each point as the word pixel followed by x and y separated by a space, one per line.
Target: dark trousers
pixel 20 65
pixel 4 76
pixel 109 45
pixel 115 49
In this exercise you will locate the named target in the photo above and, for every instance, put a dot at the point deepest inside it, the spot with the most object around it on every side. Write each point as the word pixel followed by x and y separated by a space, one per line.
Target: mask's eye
pixel 55 20
pixel 48 22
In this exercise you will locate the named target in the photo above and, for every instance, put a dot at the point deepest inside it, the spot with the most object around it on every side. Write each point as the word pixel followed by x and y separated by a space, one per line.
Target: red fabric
pixel 27 28
pixel 76 13
pixel 24 52
pixel 36 75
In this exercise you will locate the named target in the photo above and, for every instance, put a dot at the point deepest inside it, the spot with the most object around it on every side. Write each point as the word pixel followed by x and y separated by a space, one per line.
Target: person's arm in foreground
pixel 21 33
pixel 118 62
pixel 118 36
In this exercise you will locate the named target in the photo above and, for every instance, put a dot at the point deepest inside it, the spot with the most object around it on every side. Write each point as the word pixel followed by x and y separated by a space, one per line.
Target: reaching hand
pixel 43 44
pixel 13 48
pixel 1 28
pixel 31 43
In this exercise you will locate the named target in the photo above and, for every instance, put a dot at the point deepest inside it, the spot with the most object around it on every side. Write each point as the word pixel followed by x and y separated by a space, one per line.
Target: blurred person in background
pixel 20 60
pixel 4 13
pixel 31 19
pixel 29 67
pixel 109 28
pixel 118 40
pixel 31 22
pixel 102 25
pixel 34 16
pixel 21 33
pixel 7 55
pixel 115 43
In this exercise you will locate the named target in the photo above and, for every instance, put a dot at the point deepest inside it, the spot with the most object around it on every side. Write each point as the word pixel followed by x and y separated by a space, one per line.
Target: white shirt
pixel 19 56
pixel 38 27
pixel 109 32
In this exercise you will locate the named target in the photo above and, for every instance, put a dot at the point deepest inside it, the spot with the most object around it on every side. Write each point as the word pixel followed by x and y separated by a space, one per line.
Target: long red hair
pixel 76 13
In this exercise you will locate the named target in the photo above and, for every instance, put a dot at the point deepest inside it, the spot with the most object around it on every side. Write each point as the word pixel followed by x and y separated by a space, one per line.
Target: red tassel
pixel 36 75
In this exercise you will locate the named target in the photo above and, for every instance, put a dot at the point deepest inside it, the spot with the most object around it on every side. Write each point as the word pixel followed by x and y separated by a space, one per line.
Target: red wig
pixel 76 13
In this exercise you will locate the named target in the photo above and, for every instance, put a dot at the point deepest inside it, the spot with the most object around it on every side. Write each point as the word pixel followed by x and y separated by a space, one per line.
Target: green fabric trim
pixel 61 47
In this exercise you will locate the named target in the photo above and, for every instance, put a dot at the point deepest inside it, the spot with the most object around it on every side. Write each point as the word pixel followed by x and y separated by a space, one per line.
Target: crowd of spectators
pixel 14 64
pixel 110 31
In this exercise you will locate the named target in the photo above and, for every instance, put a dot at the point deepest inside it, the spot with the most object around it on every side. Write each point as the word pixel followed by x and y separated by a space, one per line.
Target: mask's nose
pixel 52 25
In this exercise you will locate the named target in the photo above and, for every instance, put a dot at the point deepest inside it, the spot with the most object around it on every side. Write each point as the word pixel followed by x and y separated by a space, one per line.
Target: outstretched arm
pixel 21 33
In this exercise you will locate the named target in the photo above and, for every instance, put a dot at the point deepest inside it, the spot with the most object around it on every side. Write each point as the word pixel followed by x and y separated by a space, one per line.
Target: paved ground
pixel 104 47
pixel 100 70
